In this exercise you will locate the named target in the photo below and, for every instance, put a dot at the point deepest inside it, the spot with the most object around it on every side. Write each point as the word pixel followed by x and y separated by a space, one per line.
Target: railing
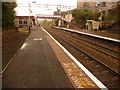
pixel 107 25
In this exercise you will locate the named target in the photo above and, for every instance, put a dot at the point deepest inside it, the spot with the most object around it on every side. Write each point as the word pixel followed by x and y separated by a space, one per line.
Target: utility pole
pixel 29 19
pixel 29 16
pixel 69 18
pixel 101 17
pixel 59 11
pixel 60 17
pixel 98 5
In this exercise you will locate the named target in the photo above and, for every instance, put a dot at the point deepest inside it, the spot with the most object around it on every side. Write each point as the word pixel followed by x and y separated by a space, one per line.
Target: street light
pixel 59 11
pixel 69 17
pixel 29 11
pixel 98 5
pixel 100 18
pixel 29 16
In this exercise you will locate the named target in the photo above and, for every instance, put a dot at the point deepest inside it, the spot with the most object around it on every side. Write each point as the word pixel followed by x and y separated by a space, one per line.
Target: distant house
pixel 23 21
pixel 105 5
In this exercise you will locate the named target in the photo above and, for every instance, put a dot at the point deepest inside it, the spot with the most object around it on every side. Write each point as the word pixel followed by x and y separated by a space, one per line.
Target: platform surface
pixel 43 63
pixel 97 34
pixel 35 66
pixel 102 33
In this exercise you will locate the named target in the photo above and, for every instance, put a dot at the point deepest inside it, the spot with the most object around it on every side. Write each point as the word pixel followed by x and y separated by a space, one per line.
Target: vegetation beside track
pixel 23 30
pixel 12 40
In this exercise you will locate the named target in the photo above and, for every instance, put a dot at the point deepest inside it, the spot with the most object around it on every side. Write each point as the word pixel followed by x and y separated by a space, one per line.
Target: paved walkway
pixel 35 66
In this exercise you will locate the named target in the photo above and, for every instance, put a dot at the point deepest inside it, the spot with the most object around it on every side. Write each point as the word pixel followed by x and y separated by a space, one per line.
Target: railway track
pixel 102 71
pixel 106 50
pixel 99 54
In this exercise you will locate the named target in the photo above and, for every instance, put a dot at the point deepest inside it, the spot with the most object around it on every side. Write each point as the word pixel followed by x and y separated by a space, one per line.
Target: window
pixel 20 21
pixel 25 21
pixel 103 4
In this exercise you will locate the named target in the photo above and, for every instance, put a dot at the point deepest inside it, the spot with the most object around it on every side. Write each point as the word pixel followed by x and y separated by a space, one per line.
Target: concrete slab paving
pixel 35 66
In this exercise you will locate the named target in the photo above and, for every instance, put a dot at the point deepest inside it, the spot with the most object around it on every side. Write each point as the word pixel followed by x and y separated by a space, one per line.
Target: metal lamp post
pixel 100 18
pixel 98 5
pixel 60 16
pixel 69 17
pixel 59 11
pixel 29 16
pixel 29 21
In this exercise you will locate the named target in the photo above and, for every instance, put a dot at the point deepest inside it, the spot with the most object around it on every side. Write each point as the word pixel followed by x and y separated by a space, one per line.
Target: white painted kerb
pixel 95 80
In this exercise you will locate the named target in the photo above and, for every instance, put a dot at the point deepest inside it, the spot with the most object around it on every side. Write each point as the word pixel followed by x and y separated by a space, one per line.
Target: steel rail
pixel 86 53
pixel 87 34
pixel 96 48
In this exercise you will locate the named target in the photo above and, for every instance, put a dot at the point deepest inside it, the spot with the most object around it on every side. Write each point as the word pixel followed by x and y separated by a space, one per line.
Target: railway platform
pixel 102 35
pixel 43 63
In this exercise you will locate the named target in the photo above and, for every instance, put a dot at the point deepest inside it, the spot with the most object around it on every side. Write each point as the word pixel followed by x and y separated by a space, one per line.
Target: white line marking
pixel 23 45
pixel 9 62
pixel 115 40
pixel 12 58
pixel 95 80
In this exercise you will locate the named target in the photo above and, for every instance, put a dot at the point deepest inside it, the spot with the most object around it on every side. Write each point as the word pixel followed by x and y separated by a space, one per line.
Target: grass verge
pixel 23 30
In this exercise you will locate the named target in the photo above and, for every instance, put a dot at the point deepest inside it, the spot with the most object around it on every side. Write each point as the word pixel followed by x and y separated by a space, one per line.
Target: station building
pixel 23 21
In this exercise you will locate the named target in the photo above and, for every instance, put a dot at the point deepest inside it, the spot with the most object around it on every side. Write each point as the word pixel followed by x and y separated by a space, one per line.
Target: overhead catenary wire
pixel 46 5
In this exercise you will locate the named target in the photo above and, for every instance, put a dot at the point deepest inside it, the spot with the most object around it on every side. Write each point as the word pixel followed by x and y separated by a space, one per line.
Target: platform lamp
pixel 69 17
pixel 98 5
pixel 59 11
pixel 29 14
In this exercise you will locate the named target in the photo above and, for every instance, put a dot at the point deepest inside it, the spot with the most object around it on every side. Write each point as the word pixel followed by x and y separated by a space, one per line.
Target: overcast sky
pixel 22 10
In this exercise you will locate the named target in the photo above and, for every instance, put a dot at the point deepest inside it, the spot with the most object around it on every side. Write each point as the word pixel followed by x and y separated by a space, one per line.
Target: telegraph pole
pixel 69 18
pixel 29 17
pixel 29 20
pixel 59 11
pixel 60 17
